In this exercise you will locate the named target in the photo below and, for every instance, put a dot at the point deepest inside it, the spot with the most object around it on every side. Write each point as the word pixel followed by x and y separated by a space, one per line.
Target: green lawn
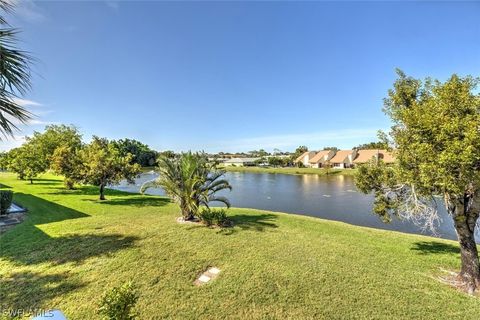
pixel 292 170
pixel 72 247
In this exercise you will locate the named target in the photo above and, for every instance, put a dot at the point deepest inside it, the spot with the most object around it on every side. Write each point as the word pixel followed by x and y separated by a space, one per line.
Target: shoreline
pixel 293 171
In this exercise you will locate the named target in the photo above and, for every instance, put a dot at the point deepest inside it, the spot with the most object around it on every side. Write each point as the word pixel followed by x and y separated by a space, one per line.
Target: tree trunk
pixel 187 215
pixel 465 216
pixel 31 180
pixel 102 190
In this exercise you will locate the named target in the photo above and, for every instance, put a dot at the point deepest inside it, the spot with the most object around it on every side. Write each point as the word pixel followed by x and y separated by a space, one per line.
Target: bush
pixel 6 197
pixel 119 303
pixel 217 217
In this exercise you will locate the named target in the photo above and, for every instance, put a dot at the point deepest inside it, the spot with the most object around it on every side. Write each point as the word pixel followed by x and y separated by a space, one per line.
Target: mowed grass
pixel 317 171
pixel 72 248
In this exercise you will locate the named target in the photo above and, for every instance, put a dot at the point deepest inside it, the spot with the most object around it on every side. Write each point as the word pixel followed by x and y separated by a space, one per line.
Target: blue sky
pixel 236 76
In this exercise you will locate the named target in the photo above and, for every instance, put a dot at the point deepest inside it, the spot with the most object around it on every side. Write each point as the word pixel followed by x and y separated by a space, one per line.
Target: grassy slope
pixel 291 170
pixel 72 247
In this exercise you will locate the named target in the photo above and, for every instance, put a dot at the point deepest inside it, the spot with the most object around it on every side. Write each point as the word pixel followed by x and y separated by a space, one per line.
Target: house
pixel 321 158
pixel 240 162
pixel 305 158
pixel 343 159
pixel 363 156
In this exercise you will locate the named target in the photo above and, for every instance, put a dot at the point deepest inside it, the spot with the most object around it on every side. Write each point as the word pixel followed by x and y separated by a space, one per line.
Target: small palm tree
pixel 14 77
pixel 191 181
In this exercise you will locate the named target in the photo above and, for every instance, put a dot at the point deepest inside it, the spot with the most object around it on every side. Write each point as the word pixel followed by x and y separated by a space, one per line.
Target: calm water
pixel 334 198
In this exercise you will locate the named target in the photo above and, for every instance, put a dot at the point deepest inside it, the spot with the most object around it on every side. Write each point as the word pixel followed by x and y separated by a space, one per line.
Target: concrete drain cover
pixel 207 276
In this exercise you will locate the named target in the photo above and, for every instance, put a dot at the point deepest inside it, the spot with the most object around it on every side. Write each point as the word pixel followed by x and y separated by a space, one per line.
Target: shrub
pixel 300 164
pixel 6 197
pixel 119 303
pixel 216 217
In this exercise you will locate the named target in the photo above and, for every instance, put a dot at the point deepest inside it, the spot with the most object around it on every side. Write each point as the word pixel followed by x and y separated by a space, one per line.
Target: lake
pixel 332 197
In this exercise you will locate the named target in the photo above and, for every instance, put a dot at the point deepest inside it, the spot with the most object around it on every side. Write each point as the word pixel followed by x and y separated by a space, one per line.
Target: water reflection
pixel 328 197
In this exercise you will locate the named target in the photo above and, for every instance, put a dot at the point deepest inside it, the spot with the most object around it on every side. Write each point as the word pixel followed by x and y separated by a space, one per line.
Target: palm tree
pixel 191 181
pixel 14 77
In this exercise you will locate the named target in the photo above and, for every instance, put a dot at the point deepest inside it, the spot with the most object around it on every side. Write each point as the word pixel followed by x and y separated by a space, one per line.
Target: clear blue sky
pixel 236 76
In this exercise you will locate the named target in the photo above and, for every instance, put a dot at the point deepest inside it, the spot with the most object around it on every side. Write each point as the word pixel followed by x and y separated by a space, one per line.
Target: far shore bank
pixel 294 171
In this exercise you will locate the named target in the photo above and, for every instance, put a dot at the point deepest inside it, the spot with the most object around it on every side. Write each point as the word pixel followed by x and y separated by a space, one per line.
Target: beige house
pixel 343 159
pixel 305 158
pixel 363 156
pixel 321 158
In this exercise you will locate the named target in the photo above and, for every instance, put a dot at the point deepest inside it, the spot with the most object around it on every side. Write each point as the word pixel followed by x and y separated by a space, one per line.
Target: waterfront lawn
pixel 72 247
pixel 292 170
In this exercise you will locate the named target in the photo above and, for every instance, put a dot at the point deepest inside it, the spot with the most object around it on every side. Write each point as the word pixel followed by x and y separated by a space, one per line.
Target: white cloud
pixel 346 138
pixel 26 103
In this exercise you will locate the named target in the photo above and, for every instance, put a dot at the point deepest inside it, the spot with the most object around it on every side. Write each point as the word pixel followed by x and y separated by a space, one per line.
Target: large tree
pixel 140 152
pixel 14 76
pixel 436 141
pixel 25 161
pixel 53 137
pixel 102 165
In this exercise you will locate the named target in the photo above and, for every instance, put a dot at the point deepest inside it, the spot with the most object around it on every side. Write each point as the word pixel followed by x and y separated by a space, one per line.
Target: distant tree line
pixel 60 149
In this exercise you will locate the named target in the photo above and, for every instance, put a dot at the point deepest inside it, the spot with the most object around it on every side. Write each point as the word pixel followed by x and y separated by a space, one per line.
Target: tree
pixel 3 160
pixel 437 148
pixel 262 153
pixel 191 181
pixel 275 161
pixel 298 152
pixel 372 145
pixel 25 161
pixel 66 161
pixel 327 166
pixel 331 148
pixel 53 137
pixel 14 76
pixel 102 165
pixel 140 152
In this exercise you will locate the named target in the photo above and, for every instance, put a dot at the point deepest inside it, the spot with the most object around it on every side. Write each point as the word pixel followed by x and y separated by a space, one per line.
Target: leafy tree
pixel 373 145
pixel 437 147
pixel 53 137
pixel 191 181
pixel 262 153
pixel 14 76
pixel 26 162
pixel 102 165
pixel 140 152
pixel 66 161
pixel 331 148
pixel 275 161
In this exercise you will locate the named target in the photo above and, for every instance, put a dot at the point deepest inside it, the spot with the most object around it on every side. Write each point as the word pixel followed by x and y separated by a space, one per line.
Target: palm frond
pixel 147 185
pixel 15 78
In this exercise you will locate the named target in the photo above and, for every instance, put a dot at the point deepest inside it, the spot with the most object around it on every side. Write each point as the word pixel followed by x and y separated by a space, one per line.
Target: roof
pixel 367 154
pixel 319 156
pixel 310 153
pixel 238 160
pixel 340 156
pixel 387 156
